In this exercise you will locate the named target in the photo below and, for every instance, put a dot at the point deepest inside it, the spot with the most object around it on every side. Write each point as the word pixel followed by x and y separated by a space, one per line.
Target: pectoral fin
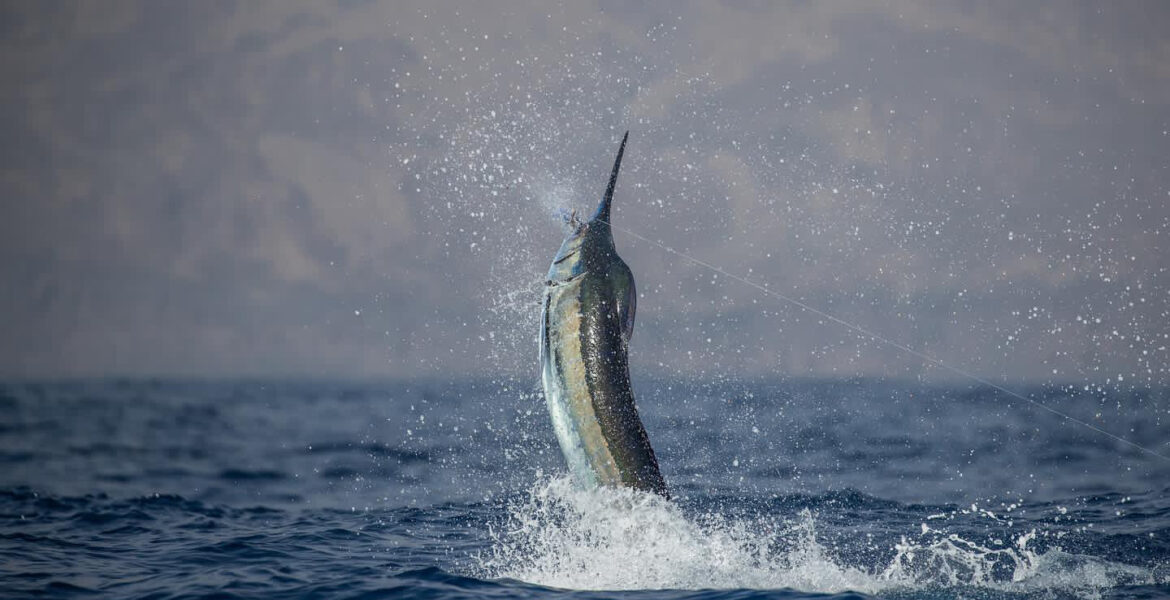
pixel 627 306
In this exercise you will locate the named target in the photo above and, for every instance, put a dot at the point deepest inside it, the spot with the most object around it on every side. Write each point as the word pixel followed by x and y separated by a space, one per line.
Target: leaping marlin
pixel 586 324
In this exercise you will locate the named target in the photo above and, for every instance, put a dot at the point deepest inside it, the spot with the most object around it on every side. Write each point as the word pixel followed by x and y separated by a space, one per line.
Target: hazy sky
pixel 373 189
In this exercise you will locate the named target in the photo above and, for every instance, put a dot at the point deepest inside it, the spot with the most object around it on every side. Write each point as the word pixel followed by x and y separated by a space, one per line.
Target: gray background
pixel 374 189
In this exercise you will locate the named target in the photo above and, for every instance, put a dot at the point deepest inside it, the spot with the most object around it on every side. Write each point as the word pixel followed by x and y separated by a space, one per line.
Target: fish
pixel 587 319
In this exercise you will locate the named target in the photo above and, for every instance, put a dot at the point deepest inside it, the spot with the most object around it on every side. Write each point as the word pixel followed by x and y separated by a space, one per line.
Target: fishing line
pixel 866 333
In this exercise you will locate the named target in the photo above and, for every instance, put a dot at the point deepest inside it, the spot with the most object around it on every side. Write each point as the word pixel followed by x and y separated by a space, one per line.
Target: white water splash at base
pixel 610 539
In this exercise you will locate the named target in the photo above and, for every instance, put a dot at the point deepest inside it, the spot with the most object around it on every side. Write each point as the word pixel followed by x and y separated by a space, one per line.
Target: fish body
pixel 586 324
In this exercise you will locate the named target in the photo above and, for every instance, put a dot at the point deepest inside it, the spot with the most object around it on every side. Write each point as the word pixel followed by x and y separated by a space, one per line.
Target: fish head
pixel 569 262
pixel 589 244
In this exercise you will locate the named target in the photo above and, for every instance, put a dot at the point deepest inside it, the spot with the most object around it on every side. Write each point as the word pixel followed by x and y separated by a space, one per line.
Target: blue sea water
pixel 428 489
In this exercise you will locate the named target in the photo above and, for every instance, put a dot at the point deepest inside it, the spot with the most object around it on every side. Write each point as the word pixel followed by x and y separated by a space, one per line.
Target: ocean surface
pixel 431 489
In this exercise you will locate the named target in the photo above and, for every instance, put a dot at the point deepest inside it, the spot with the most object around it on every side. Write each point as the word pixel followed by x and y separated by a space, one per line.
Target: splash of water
pixel 610 539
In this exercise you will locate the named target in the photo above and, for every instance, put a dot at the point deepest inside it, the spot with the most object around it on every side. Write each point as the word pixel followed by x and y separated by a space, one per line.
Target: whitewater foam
pixel 614 539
